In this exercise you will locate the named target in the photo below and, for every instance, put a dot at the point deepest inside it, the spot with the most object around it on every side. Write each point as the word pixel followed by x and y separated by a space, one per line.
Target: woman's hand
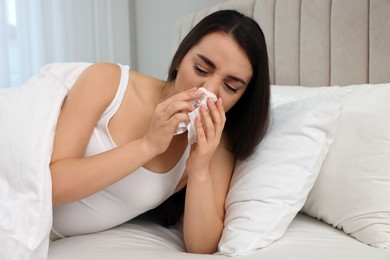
pixel 209 130
pixel 166 118
pixel 209 168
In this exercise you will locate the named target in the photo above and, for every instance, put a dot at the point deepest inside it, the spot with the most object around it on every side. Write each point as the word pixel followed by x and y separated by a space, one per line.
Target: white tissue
pixel 192 115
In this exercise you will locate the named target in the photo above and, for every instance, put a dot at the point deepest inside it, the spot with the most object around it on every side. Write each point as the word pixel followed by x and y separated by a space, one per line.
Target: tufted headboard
pixel 317 42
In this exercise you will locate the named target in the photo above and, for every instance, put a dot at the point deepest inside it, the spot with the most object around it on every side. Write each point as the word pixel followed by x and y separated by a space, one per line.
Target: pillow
pixel 353 188
pixel 269 188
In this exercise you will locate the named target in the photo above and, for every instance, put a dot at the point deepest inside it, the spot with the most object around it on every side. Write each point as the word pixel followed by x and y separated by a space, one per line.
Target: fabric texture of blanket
pixel 28 118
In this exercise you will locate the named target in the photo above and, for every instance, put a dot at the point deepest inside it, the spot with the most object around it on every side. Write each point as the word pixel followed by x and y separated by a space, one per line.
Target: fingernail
pixel 196 91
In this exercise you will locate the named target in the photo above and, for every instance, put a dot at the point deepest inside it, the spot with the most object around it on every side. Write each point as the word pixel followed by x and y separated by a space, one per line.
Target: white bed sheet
pixel 306 238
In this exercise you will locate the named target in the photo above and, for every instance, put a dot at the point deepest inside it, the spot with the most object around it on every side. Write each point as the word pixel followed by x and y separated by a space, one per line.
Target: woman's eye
pixel 200 70
pixel 231 88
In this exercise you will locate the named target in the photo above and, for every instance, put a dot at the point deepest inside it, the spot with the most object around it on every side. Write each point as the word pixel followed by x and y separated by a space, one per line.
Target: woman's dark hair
pixel 247 121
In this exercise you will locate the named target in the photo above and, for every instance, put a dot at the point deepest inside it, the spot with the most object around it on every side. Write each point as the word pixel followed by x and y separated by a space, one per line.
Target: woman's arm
pixel 204 207
pixel 207 185
pixel 75 177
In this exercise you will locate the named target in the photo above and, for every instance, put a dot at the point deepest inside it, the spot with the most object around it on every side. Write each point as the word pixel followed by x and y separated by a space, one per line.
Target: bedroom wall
pixel 153 29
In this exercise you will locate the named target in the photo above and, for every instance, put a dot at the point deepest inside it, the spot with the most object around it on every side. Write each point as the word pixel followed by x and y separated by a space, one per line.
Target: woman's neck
pixel 167 90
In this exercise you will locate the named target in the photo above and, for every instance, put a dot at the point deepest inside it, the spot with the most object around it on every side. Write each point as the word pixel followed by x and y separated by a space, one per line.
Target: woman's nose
pixel 212 86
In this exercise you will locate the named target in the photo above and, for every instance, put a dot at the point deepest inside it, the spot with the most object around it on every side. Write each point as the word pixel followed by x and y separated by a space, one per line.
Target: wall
pixel 153 31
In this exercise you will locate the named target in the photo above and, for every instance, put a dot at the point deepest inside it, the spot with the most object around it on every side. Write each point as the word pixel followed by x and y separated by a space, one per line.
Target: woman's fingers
pixel 177 104
pixel 200 134
pixel 182 97
pixel 220 113
pixel 207 122
pixel 218 116
pixel 212 120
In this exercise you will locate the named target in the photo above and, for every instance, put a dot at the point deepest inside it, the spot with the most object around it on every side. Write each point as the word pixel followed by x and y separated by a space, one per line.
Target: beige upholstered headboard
pixel 318 42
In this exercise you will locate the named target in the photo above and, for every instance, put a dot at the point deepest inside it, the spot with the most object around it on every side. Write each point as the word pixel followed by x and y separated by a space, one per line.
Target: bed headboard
pixel 317 42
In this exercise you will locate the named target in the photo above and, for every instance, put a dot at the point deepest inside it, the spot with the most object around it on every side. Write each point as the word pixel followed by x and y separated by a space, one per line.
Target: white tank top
pixel 135 194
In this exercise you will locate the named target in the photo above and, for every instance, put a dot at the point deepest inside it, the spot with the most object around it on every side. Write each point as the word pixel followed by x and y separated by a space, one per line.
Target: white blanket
pixel 28 118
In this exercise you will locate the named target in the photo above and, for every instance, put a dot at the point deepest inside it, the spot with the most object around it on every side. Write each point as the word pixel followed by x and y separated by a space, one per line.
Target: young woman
pixel 116 154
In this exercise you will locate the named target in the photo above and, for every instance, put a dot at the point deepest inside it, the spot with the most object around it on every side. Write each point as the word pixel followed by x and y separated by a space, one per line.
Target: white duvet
pixel 28 117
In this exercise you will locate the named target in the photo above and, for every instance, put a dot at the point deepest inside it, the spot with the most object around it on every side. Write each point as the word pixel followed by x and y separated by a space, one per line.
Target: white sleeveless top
pixel 135 194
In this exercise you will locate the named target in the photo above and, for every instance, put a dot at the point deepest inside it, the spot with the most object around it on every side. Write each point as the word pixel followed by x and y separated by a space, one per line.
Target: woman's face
pixel 218 64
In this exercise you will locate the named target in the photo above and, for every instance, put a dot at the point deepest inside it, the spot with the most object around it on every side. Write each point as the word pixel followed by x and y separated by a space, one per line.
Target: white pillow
pixel 353 188
pixel 268 189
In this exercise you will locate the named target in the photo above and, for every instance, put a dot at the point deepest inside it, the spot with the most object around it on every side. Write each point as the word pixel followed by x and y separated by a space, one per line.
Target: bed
pixel 313 43
pixel 328 195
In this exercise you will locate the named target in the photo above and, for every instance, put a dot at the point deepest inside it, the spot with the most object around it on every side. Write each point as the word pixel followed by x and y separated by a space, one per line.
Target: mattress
pixel 306 238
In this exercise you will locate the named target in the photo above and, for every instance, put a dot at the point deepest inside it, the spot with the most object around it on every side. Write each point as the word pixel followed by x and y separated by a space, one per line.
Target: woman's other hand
pixel 209 130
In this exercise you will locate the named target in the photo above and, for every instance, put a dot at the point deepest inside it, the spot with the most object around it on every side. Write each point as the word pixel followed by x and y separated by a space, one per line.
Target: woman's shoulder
pixel 102 74
pixel 97 83
pixel 102 71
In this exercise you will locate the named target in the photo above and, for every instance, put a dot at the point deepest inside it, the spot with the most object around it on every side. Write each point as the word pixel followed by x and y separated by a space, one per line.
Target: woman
pixel 116 154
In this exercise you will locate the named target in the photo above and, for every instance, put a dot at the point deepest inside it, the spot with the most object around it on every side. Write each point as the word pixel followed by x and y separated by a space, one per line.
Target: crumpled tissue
pixel 190 127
